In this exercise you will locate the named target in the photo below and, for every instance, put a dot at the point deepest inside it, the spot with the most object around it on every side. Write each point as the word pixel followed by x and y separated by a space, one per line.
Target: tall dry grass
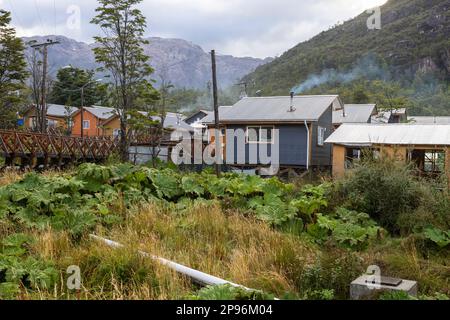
pixel 226 245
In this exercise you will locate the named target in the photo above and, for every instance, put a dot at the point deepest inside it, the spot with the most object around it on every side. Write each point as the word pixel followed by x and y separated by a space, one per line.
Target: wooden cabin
pixel 302 124
pixel 93 120
pixel 428 146
pixel 58 116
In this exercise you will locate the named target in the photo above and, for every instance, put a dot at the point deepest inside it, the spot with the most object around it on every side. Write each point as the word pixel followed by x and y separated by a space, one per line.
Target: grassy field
pixel 234 228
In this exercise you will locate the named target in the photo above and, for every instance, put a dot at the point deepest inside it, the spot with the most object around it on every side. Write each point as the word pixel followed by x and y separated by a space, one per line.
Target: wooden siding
pixel 339 154
pixel 293 144
pixel 94 125
pixel 398 153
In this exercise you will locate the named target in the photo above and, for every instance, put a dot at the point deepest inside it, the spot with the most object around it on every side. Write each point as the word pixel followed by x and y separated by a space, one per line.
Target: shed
pixel 426 145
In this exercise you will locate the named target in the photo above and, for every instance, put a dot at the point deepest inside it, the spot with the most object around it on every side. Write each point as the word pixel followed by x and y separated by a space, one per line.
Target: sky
pixel 256 28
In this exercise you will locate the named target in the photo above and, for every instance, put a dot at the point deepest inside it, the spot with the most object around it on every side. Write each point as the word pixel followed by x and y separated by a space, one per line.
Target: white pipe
pixel 199 277
pixel 307 145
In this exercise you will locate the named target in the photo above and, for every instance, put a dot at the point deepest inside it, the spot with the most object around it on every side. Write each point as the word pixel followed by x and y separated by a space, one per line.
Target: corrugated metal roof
pixel 176 121
pixel 58 110
pixel 396 134
pixel 210 117
pixel 429 120
pixel 276 109
pixel 102 113
pixel 354 113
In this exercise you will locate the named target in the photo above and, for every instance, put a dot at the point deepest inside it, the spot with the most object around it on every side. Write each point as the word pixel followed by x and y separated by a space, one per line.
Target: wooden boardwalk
pixel 37 149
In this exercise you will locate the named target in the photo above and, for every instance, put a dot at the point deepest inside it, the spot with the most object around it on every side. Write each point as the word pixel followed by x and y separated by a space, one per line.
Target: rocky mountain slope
pixel 414 40
pixel 183 63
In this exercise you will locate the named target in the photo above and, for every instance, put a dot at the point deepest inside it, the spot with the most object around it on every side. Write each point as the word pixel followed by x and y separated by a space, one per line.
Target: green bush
pixel 382 188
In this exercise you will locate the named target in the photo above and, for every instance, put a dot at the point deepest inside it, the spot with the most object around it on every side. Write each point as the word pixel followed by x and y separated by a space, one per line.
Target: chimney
pixel 343 111
pixel 291 108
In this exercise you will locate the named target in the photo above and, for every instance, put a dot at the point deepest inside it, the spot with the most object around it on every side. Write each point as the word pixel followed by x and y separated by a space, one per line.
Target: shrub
pixel 382 188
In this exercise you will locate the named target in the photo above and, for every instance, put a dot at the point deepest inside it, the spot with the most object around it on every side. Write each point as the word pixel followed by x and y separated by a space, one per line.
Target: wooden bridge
pixel 37 149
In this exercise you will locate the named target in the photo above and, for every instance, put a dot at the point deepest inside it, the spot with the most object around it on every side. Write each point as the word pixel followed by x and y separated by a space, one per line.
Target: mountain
pixel 185 64
pixel 412 49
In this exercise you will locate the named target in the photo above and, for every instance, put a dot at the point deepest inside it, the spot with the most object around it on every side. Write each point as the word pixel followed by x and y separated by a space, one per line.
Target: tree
pixel 12 71
pixel 35 83
pixel 120 52
pixel 67 88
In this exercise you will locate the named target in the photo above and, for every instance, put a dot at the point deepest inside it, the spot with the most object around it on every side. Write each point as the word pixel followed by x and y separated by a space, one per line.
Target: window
pixel 51 123
pixel 321 136
pixel 266 134
pixel 252 134
pixel 33 123
pixel 434 161
pixel 260 134
pixel 86 124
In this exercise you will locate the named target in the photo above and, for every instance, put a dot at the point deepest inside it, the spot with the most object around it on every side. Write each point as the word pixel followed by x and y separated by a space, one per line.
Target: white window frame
pixel 88 126
pixel 321 131
pixel 259 130
pixel 247 139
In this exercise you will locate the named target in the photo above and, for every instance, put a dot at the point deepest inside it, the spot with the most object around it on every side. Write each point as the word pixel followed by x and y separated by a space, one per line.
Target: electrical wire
pixel 54 15
pixel 39 16
pixel 15 12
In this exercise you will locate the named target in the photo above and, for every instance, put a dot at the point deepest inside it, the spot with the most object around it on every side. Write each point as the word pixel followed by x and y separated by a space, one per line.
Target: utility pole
pixel 82 111
pixel 44 47
pixel 244 93
pixel 216 115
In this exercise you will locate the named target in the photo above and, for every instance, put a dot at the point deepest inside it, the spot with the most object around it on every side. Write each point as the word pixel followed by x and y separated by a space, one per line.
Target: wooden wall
pixel 339 153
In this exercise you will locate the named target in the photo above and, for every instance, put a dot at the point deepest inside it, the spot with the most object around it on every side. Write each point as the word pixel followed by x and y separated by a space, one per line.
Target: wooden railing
pixel 32 147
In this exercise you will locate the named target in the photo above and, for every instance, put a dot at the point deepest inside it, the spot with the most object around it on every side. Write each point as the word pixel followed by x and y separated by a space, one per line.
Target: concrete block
pixel 365 287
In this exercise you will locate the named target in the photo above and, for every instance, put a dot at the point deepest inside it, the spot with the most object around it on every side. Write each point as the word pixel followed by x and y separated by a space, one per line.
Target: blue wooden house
pixel 302 125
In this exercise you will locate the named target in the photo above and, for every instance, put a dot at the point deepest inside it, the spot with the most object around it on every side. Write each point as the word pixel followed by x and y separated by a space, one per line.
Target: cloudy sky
pixel 257 28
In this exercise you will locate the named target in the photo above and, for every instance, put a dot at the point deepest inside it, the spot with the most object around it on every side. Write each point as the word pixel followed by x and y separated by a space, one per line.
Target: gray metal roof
pixel 198 116
pixel 58 110
pixel 277 109
pixel 176 121
pixel 354 113
pixel 396 134
pixel 210 117
pixel 102 113
pixel 429 120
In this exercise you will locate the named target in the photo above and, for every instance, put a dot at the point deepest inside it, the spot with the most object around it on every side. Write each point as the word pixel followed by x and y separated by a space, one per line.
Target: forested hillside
pixel 408 57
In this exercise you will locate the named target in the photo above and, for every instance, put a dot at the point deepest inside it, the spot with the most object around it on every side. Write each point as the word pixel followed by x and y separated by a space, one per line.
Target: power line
pixel 54 15
pixel 15 12
pixel 39 16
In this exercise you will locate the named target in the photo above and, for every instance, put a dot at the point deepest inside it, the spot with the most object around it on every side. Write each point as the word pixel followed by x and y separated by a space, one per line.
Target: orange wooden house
pixel 58 116
pixel 93 121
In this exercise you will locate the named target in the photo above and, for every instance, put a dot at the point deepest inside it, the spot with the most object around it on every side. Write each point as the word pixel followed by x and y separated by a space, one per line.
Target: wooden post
pixel 216 114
